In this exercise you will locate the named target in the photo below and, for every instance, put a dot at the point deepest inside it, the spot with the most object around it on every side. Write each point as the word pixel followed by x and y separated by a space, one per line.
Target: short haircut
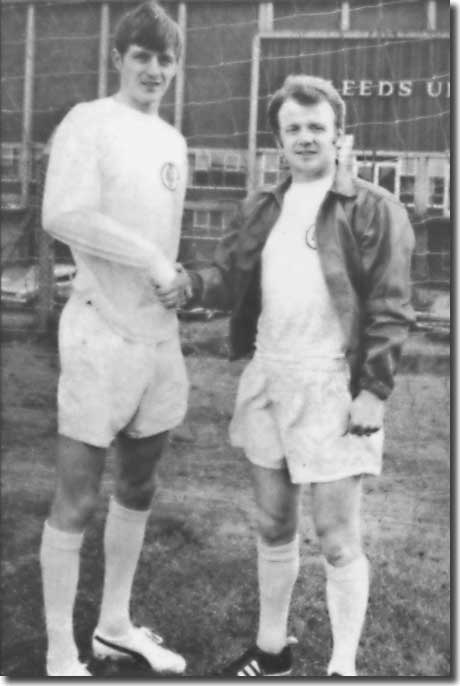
pixel 150 27
pixel 306 90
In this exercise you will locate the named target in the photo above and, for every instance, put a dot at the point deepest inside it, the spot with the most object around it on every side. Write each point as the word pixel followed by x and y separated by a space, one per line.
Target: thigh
pixel 254 424
pixel 277 501
pixel 79 471
pixel 101 379
pixel 164 400
pixel 336 506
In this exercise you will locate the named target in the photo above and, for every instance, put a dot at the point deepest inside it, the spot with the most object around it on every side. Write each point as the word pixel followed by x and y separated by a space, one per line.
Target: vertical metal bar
pixel 45 302
pixel 431 15
pixel 270 16
pixel 104 39
pixel 28 99
pixel 446 199
pixel 265 18
pixel 421 188
pixel 45 245
pixel 345 16
pixel 253 114
pixel 180 76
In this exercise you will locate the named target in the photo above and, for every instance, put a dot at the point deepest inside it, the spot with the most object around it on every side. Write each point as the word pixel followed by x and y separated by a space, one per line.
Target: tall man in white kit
pixel 114 193
pixel 316 273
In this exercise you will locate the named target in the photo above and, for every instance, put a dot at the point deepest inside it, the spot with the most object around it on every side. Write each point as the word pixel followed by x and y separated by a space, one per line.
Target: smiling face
pixel 145 76
pixel 309 137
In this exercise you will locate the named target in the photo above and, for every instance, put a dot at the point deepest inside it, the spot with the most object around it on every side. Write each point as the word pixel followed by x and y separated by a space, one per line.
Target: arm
pixel 213 286
pixel 71 205
pixel 386 250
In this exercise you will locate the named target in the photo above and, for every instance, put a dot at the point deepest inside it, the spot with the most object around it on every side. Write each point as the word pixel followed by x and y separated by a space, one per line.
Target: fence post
pixel 431 18
pixel 265 16
pixel 421 193
pixel 180 76
pixel 45 247
pixel 104 37
pixel 253 114
pixel 28 96
pixel 421 189
pixel 345 16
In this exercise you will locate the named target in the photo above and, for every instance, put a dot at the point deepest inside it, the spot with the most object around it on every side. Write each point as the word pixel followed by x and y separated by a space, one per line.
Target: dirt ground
pixel 196 581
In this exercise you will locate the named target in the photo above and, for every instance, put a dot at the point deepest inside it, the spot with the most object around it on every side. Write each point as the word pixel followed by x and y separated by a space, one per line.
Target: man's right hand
pixel 178 292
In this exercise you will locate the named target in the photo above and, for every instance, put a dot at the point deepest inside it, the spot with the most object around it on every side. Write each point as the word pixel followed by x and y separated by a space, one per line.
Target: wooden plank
pixel 180 76
pixel 104 42
pixel 27 111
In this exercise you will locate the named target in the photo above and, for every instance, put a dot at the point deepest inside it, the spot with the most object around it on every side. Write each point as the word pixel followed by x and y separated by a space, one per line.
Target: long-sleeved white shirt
pixel 114 193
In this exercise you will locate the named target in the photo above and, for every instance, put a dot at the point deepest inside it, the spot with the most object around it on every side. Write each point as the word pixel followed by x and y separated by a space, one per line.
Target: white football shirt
pixel 298 318
pixel 114 192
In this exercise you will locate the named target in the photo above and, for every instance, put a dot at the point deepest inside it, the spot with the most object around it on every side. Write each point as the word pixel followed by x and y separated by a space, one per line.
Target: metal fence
pixel 56 52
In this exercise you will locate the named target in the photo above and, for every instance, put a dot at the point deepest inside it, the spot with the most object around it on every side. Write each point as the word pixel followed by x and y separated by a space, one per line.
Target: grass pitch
pixel 196 582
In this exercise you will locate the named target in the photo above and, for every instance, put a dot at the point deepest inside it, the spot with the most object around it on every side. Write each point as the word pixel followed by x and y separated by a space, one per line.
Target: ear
pixel 340 139
pixel 278 141
pixel 116 59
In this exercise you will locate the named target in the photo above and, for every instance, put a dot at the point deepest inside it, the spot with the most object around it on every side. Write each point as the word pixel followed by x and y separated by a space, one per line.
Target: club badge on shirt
pixel 170 175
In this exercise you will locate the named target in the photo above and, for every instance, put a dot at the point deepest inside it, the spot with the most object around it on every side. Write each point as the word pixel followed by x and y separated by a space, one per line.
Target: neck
pixel 302 177
pixel 145 108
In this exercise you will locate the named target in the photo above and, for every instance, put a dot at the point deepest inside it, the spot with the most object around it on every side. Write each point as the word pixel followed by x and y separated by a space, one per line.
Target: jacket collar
pixel 343 184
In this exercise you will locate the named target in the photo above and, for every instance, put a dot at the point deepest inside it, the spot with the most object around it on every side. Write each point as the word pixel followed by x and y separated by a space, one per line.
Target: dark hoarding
pixel 397 90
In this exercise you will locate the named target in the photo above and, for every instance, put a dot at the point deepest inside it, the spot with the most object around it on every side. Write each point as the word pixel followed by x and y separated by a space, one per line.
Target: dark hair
pixel 149 26
pixel 306 90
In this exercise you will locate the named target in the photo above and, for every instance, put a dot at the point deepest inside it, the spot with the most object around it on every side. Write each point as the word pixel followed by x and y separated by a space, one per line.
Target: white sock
pixel 347 591
pixel 123 540
pixel 278 568
pixel 60 564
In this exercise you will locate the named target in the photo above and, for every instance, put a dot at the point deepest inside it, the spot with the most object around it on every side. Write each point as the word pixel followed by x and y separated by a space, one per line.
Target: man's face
pixel 145 75
pixel 309 137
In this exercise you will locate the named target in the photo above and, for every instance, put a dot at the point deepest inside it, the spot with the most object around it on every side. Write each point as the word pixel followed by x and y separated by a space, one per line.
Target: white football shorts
pixel 295 414
pixel 110 385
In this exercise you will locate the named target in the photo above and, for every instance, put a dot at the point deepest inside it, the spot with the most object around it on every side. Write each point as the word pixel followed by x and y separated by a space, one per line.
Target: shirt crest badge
pixel 170 175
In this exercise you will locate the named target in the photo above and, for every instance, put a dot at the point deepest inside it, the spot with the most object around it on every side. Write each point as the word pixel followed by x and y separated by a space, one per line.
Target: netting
pixel 389 59
pixel 394 76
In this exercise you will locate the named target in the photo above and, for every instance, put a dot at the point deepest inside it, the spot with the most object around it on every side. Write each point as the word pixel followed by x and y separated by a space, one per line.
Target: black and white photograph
pixel 226 247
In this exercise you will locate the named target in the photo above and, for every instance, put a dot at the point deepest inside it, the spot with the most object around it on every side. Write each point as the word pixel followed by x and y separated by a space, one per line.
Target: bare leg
pixel 336 513
pixel 277 501
pixel 125 527
pixel 79 471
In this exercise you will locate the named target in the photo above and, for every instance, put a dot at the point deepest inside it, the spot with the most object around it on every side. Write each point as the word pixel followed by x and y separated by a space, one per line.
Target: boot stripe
pixel 115 646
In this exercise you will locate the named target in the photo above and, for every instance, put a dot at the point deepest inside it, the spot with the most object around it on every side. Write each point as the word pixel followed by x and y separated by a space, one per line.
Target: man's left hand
pixel 366 414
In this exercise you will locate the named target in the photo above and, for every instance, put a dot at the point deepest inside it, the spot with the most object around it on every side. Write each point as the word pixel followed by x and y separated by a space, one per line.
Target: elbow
pixel 51 224
pixel 60 225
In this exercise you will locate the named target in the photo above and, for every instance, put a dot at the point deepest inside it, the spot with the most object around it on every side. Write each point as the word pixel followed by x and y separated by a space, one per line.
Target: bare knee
pixel 340 542
pixel 79 471
pixel 72 512
pixel 276 529
pixel 137 460
pixel 136 493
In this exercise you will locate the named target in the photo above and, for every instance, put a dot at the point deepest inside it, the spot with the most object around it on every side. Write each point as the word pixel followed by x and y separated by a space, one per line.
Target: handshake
pixel 177 291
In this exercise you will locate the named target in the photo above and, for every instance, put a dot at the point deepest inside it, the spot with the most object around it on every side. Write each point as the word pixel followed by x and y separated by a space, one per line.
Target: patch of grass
pixel 196 582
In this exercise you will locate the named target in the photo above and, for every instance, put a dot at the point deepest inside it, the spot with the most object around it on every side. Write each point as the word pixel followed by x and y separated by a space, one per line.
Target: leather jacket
pixel 365 242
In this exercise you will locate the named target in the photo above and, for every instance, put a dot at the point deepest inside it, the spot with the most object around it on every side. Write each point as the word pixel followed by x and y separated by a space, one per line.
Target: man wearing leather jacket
pixel 317 275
